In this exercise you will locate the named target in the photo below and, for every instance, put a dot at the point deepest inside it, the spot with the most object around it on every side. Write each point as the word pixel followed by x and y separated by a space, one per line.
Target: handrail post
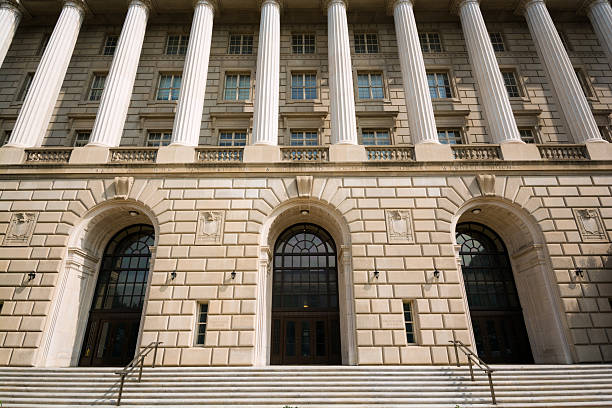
pixel 154 355
pixel 456 353
pixel 491 387
pixel 141 365
pixel 120 389
pixel 471 369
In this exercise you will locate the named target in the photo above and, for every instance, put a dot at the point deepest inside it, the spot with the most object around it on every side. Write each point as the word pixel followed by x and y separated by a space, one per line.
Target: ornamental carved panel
pixel 590 224
pixel 20 229
pixel 399 226
pixel 210 227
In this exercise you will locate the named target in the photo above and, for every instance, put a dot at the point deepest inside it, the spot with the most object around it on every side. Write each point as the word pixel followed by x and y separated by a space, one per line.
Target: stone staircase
pixel 338 387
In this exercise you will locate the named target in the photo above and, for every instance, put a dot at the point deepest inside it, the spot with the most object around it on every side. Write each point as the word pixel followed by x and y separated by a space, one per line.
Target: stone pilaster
pixel 600 14
pixel 38 105
pixel 495 101
pixel 188 119
pixel 265 116
pixel 343 121
pixel 10 15
pixel 416 90
pixel 115 101
pixel 551 51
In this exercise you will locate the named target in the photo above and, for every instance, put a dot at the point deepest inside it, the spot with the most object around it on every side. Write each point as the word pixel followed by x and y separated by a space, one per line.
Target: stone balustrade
pixel 390 153
pixel 48 155
pixel 476 152
pixel 133 155
pixel 305 153
pixel 219 154
pixel 563 152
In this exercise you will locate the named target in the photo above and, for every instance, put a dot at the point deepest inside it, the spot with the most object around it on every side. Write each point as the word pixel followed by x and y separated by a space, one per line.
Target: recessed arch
pixel 88 239
pixel 532 271
pixel 298 211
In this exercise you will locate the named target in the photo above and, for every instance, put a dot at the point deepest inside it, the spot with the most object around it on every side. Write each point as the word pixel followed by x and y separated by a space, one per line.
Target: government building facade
pixel 305 182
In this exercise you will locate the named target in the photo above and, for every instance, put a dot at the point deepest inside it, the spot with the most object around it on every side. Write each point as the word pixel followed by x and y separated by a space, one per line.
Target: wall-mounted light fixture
pixel 31 276
pixel 376 273
pixel 579 273
pixel 172 275
pixel 233 274
pixel 133 213
pixel 305 212
pixel 436 274
pixel 476 211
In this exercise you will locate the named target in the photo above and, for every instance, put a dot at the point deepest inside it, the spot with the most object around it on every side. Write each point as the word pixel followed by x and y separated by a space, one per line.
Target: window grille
pixel 201 324
pixel 430 42
pixel 25 88
pixel 304 138
pixel 7 136
pixel 303 43
pixel 241 44
pixel 439 85
pixel 169 87
pixel 584 82
pixel 233 138
pixel 82 138
pixel 158 139
pixel 370 137
pixel 303 86
pixel 497 41
pixel 370 85
pixel 449 136
pixel 110 45
pixel 366 43
pixel 527 136
pixel 43 44
pixel 97 86
pixel 511 84
pixel 177 44
pixel 409 323
pixel 237 87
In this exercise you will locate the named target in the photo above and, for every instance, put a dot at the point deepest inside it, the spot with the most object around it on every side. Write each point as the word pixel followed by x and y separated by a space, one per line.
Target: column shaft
pixel 38 105
pixel 571 97
pixel 117 93
pixel 9 21
pixel 600 14
pixel 416 90
pixel 493 93
pixel 265 117
pixel 343 122
pixel 188 119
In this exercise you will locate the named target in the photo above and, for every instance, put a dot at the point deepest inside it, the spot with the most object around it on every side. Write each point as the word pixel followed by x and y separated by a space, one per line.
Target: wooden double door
pixel 303 338
pixel 110 340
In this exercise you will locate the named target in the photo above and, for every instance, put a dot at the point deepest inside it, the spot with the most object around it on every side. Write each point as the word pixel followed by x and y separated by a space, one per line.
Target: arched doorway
pixel 495 310
pixel 305 311
pixel 114 317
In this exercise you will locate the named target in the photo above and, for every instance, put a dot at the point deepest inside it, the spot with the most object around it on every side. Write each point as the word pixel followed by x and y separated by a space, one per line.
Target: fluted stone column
pixel 117 93
pixel 600 14
pixel 38 105
pixel 264 144
pixel 188 119
pixel 578 115
pixel 10 15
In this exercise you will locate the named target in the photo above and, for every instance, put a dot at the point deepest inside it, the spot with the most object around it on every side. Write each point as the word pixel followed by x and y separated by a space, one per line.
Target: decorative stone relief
pixel 486 182
pixel 590 224
pixel 123 186
pixel 399 226
pixel 210 227
pixel 20 229
pixel 304 185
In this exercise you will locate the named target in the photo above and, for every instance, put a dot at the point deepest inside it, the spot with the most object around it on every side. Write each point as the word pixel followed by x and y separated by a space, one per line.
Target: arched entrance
pixel 495 310
pixel 114 317
pixel 305 308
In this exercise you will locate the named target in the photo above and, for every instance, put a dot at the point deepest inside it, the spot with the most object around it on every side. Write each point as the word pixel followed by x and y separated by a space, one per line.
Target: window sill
pixel 303 102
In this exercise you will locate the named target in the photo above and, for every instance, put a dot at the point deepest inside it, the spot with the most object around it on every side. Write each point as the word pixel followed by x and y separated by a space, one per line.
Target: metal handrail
pixel 477 360
pixel 136 361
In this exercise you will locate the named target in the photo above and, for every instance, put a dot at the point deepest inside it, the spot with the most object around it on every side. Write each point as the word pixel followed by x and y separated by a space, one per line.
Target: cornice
pixel 522 5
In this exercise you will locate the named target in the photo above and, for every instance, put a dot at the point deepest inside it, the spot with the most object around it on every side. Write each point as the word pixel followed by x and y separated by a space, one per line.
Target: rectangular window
pixel 497 41
pixel 82 138
pixel 604 131
pixel 409 323
pixel 370 85
pixel 201 324
pixel 430 42
pixel 97 86
pixel 237 87
pixel 366 43
pixel 527 136
pixel 511 84
pixel 158 139
pixel 1 306
pixel 110 45
pixel 375 137
pixel 449 136
pixel 169 87
pixel 439 85
pixel 303 43
pixel 26 86
pixel 7 136
pixel 241 44
pixel 233 138
pixel 304 138
pixel 43 44
pixel 584 83
pixel 303 86
pixel 177 44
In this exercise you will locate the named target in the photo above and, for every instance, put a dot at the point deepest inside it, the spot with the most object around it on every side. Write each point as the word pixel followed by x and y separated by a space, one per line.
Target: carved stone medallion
pixel 20 229
pixel 399 226
pixel 590 224
pixel 210 227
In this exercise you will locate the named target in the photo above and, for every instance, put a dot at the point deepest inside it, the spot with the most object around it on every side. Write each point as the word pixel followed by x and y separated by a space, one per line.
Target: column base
pixel 520 151
pixel 176 154
pixel 599 150
pixel 12 155
pixel 261 154
pixel 433 152
pixel 347 153
pixel 90 155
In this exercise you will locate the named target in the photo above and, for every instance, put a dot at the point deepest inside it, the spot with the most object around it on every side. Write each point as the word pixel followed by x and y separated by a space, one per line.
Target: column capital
pixel 215 4
pixel 326 3
pixel 587 5
pixel 455 6
pixel 80 4
pixel 145 3
pixel 522 5
pixel 12 4
pixel 390 4
pixel 279 3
